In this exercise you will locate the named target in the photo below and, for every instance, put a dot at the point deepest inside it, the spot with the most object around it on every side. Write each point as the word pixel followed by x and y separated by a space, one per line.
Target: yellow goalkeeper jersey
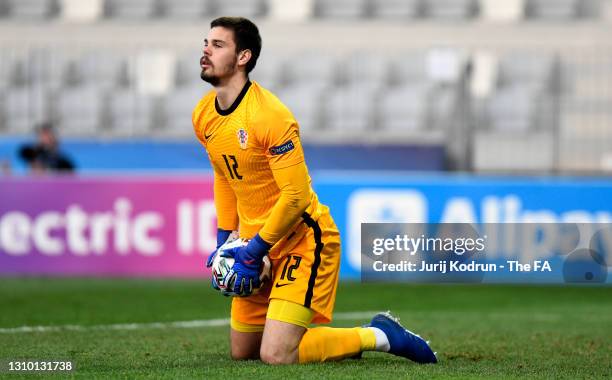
pixel 245 143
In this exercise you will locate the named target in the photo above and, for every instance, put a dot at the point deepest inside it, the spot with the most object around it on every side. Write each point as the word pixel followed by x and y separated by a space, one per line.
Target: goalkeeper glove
pixel 222 237
pixel 247 265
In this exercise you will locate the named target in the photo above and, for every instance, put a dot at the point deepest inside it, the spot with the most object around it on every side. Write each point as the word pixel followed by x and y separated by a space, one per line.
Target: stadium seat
pixel 132 114
pixel 502 11
pixel 552 9
pixel 350 110
pixel 132 9
pixel 13 72
pixel 404 108
pixel 513 109
pixel 185 9
pixel 495 151
pixel 451 9
pixel 31 9
pixel 408 67
pixel 526 67
pixel 178 107
pixel 304 101
pixel 81 10
pixel 365 69
pixel 341 9
pixel 80 111
pixel 105 69
pixel 188 68
pixel 270 71
pixel 46 67
pixel 244 8
pixel 396 9
pixel 24 108
pixel 313 68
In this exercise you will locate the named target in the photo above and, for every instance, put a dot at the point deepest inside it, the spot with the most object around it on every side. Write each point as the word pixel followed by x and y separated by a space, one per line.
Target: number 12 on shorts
pixel 288 269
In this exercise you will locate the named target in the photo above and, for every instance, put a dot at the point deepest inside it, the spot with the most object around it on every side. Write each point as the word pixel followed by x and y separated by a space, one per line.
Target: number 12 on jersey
pixel 232 168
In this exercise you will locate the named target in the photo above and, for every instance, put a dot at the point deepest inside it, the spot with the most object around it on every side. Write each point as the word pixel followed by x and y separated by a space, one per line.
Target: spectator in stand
pixel 44 155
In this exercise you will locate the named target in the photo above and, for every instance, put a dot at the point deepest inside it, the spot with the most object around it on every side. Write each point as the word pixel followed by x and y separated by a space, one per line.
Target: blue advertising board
pixel 356 198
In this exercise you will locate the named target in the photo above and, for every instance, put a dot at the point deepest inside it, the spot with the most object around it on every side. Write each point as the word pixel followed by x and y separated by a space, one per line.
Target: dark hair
pixel 246 36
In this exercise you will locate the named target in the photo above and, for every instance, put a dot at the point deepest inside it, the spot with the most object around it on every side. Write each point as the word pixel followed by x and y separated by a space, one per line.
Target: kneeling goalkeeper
pixel 262 188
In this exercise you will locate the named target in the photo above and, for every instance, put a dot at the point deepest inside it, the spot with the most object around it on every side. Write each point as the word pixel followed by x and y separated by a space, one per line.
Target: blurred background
pixel 410 110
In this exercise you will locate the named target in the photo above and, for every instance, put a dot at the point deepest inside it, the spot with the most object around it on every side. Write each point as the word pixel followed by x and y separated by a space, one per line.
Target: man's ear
pixel 244 56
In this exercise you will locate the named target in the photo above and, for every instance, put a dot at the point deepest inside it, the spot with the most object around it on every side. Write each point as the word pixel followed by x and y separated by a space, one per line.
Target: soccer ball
pixel 221 266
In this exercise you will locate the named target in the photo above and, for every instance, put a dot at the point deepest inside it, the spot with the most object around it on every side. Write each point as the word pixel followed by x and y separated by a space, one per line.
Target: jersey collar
pixel 236 102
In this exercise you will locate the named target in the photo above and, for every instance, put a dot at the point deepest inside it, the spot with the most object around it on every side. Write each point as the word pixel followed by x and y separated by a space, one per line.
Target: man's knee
pixel 244 346
pixel 278 354
pixel 239 353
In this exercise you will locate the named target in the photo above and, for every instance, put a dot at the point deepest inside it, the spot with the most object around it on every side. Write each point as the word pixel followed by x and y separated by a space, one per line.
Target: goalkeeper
pixel 262 188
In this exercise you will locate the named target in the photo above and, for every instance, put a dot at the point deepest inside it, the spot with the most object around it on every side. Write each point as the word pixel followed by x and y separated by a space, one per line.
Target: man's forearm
pixel 294 200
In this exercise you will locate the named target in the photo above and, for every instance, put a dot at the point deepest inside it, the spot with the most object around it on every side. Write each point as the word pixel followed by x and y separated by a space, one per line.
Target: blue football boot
pixel 403 342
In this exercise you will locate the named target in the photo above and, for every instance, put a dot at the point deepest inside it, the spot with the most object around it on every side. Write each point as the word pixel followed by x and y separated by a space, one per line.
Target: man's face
pixel 219 61
pixel 47 138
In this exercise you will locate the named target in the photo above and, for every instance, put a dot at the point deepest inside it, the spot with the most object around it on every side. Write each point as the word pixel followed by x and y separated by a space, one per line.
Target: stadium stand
pixel 404 109
pixel 25 107
pixel 349 111
pixel 246 8
pixel 182 10
pixel 304 101
pixel 81 111
pixel 272 71
pixel 132 114
pixel 396 9
pixel 31 9
pixel 313 68
pixel 131 10
pixel 451 9
pixel 552 9
pixel 340 9
pixel 412 77
pixel 177 107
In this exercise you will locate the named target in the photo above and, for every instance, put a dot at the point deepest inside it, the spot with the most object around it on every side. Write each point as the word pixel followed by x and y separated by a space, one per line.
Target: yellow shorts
pixel 304 272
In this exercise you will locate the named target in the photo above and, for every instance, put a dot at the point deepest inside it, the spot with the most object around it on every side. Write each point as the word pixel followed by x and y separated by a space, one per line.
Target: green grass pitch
pixel 479 331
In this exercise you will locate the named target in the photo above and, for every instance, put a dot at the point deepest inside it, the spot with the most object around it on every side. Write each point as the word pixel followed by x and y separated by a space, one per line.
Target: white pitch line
pixel 219 322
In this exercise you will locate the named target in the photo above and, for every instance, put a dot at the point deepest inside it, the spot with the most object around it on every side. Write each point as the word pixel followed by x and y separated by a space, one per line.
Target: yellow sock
pixel 322 344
